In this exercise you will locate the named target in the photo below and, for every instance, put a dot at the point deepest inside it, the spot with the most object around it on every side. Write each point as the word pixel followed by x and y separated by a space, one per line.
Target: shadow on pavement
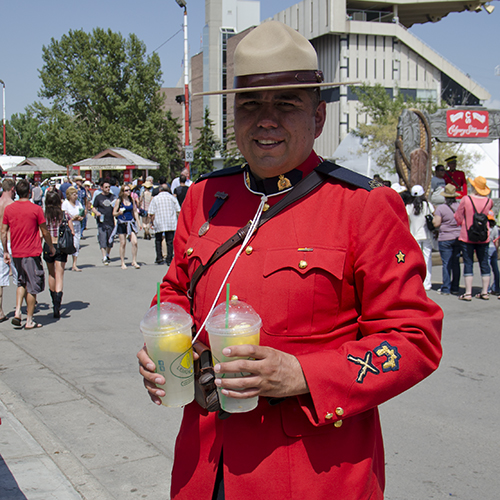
pixel 9 489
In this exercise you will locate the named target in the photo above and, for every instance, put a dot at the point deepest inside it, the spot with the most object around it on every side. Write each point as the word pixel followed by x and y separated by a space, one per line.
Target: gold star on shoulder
pixel 283 183
pixel 401 257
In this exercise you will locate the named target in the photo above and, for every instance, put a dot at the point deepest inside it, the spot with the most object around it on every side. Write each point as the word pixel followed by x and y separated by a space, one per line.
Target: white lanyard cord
pixel 251 230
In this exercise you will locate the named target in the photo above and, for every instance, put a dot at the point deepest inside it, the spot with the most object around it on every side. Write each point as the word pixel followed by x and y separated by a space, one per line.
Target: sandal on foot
pixel 137 266
pixel 16 321
pixel 482 296
pixel 35 325
pixel 466 296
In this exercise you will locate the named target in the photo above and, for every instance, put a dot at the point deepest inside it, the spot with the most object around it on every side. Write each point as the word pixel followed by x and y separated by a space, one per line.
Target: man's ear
pixel 320 118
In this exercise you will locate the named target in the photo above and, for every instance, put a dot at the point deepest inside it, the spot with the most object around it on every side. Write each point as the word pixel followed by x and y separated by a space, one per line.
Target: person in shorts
pixel 103 210
pixel 7 198
pixel 25 220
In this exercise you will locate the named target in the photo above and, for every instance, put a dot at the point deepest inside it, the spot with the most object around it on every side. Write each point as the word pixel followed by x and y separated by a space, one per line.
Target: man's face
pixel 440 172
pixel 275 129
pixel 105 188
pixel 452 166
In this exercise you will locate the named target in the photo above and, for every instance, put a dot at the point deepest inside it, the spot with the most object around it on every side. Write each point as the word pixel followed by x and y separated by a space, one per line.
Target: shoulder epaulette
pixel 221 173
pixel 349 176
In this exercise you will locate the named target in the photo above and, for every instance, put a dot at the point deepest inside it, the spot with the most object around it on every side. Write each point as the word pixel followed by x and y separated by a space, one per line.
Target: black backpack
pixel 478 231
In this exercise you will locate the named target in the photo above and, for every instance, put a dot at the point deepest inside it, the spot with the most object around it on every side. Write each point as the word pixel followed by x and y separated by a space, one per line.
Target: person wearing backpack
pixel 472 216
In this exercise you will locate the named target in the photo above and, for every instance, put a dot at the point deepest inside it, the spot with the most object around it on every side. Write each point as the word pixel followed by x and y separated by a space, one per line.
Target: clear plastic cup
pixel 243 327
pixel 168 341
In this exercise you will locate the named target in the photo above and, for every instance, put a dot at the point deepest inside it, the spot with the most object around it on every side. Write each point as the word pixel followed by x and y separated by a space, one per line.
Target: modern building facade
pixel 364 41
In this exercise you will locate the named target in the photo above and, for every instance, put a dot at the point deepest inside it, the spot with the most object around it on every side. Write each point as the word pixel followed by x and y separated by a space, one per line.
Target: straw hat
pixel 479 184
pixel 450 191
pixel 78 178
pixel 417 190
pixel 272 56
pixel 148 184
pixel 87 183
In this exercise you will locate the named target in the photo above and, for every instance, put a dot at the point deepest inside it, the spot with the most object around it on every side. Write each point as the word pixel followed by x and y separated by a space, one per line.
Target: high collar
pixel 280 184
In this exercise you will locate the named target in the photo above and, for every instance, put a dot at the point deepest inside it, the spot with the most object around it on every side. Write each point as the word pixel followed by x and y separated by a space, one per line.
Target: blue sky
pixel 469 40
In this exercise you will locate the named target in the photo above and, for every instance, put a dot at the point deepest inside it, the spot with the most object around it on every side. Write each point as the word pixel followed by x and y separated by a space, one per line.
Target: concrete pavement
pixel 77 422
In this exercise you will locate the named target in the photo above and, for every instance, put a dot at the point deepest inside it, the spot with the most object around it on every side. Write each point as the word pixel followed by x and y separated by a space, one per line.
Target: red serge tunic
pixel 337 280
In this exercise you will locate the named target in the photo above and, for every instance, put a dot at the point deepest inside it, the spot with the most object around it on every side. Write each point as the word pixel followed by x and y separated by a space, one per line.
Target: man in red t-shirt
pixel 25 220
pixel 455 177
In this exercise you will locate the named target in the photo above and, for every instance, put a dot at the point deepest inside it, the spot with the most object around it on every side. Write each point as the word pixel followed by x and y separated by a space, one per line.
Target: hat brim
pixel 482 191
pixel 274 87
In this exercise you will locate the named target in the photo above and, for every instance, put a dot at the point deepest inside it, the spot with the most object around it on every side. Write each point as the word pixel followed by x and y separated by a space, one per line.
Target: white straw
pixel 252 229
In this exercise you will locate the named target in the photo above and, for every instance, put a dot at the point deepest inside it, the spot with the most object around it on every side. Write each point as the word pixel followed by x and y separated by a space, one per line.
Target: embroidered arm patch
pixel 366 365
pixel 392 354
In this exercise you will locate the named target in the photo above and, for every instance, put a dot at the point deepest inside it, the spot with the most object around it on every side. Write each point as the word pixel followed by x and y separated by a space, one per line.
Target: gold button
pixel 234 297
pixel 265 208
pixel 248 250
pixel 329 416
pixel 339 411
pixel 302 264
pixel 189 251
pixel 338 423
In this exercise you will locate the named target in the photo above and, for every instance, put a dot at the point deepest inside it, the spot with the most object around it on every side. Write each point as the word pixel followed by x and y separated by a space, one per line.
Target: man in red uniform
pixel 337 280
pixel 25 220
pixel 455 177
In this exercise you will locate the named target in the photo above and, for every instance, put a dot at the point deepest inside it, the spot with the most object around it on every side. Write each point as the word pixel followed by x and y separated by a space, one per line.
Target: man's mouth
pixel 267 142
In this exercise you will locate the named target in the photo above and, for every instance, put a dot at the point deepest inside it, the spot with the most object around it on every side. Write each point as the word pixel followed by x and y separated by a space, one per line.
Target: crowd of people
pixel 31 212
pixel 459 220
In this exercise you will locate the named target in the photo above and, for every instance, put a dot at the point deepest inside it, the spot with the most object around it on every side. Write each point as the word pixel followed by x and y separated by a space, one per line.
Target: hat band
pixel 278 79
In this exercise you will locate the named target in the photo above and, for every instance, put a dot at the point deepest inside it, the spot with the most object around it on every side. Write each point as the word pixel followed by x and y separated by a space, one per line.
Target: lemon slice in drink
pixel 174 343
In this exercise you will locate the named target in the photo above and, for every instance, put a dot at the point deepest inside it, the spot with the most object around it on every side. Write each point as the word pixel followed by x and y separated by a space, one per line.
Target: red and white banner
pixel 467 123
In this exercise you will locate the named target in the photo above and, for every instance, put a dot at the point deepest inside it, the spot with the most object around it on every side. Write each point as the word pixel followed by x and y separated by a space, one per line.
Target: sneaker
pixel 105 261
pixel 442 293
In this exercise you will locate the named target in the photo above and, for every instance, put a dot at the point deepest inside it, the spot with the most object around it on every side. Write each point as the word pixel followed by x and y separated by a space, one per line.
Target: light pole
pixel 183 5
pixel 3 105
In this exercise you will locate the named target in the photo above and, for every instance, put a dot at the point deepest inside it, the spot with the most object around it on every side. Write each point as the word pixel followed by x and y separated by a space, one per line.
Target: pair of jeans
pixel 481 250
pixel 493 257
pixel 169 239
pixel 450 256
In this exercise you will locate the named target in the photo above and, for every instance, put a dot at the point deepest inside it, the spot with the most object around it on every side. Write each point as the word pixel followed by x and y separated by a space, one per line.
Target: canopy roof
pixel 31 165
pixel 116 159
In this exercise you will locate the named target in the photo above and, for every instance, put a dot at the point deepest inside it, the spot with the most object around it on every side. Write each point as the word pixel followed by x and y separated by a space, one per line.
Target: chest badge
pixel 220 199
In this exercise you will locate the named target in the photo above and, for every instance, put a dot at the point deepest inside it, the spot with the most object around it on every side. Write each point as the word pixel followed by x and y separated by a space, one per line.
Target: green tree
pixel 206 146
pixel 104 92
pixel 380 132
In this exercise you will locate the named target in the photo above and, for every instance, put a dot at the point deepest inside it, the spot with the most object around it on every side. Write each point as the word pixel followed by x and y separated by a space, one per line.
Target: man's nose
pixel 267 116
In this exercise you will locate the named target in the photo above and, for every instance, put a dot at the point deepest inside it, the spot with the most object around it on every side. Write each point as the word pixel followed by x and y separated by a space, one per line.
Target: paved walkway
pixel 77 423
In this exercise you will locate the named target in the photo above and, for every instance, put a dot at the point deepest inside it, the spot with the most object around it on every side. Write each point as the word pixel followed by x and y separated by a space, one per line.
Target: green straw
pixel 158 301
pixel 227 305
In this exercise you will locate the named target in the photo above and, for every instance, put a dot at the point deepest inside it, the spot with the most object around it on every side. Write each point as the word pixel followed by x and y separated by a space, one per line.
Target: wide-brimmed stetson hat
pixel 274 56
pixel 450 191
pixel 480 186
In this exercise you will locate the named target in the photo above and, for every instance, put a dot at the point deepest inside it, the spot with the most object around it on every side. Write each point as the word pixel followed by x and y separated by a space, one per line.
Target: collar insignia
pixel 401 257
pixel 283 183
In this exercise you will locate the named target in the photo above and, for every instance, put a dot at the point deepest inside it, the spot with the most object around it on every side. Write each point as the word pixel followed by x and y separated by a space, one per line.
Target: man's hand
pixel 6 257
pixel 273 373
pixel 147 370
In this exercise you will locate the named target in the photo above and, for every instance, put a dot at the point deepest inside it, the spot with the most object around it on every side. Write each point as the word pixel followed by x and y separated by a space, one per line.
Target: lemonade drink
pixel 243 327
pixel 168 341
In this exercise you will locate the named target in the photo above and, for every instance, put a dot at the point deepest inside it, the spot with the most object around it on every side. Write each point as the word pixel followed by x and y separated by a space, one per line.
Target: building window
pixel 357 67
pixel 327 5
pixel 375 69
pixel 297 18
pixel 347 66
pixel 312 16
pixel 366 68
pixel 383 69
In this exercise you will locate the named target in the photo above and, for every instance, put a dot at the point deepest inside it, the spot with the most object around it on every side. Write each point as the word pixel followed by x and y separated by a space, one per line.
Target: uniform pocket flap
pixel 330 260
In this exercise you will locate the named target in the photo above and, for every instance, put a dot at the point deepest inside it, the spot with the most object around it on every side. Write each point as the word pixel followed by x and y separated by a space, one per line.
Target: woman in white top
pixel 75 210
pixel 417 210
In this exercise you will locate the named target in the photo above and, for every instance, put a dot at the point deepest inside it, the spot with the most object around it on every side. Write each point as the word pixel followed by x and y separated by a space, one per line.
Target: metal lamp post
pixel 3 105
pixel 182 4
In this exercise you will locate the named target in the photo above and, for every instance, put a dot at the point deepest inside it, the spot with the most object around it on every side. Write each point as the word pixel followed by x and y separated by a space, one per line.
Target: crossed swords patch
pixel 384 349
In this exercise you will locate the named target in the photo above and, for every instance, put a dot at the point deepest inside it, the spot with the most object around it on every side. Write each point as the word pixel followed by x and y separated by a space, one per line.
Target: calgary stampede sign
pixel 416 129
